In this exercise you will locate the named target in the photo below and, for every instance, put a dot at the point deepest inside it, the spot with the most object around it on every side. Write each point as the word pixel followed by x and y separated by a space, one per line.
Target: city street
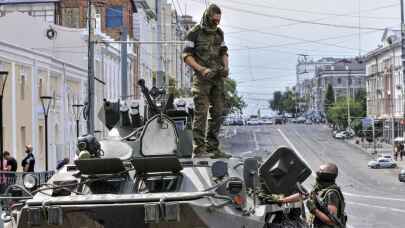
pixel 374 197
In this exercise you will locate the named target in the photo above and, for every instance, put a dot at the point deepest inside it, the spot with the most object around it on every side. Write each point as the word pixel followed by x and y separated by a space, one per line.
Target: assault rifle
pixel 323 207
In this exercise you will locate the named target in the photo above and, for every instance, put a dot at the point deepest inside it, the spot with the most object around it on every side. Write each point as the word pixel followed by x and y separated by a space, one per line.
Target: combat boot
pixel 219 154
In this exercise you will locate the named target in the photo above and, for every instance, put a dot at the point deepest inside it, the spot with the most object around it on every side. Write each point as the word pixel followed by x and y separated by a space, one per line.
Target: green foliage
pixel 283 102
pixel 233 102
pixel 337 113
pixel 276 102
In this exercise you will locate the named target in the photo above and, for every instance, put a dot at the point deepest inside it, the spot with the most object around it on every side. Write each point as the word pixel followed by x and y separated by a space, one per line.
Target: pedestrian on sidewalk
pixel 401 150
pixel 11 163
pixel 28 162
pixel 396 151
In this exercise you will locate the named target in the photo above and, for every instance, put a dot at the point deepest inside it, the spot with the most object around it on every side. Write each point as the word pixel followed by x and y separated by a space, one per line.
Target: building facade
pixel 346 76
pixel 385 86
pixel 46 10
pixel 51 67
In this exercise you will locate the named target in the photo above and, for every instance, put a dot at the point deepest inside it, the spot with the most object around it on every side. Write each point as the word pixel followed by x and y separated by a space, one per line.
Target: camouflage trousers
pixel 208 96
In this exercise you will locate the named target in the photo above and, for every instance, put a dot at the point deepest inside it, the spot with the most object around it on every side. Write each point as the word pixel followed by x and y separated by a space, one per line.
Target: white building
pixel 145 30
pixel 56 67
pixel 385 86
pixel 43 9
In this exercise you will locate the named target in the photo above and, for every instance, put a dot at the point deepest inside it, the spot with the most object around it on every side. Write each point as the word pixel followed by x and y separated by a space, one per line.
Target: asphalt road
pixel 374 198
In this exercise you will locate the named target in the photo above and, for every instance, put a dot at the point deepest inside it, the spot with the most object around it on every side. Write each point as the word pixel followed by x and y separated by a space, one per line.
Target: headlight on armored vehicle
pixel 29 181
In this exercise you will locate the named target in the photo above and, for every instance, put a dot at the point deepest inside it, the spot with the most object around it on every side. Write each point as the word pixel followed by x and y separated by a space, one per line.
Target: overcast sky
pixel 265 36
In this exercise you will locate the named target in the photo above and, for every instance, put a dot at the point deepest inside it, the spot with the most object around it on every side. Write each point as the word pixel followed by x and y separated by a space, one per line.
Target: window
pixel 23 136
pixel 70 17
pixel 114 17
pixel 22 87
pixel 339 81
pixel 40 84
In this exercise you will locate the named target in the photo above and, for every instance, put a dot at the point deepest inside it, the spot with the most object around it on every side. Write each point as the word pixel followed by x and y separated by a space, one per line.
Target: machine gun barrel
pixel 146 93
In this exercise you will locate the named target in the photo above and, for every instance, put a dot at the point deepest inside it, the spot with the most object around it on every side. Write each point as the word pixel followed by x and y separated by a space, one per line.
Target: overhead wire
pixel 300 21
pixel 272 7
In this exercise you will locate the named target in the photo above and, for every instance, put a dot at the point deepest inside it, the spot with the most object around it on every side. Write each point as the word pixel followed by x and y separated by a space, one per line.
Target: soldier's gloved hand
pixel 225 72
pixel 205 72
pixel 311 205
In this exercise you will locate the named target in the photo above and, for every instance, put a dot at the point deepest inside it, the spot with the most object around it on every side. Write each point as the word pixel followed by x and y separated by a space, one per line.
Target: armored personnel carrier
pixel 143 175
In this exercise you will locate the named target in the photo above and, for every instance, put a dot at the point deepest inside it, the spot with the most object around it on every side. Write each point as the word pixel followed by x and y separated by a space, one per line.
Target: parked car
pixel 278 120
pixel 401 175
pixel 268 121
pixel 382 163
pixel 252 122
pixel 301 119
pixel 343 134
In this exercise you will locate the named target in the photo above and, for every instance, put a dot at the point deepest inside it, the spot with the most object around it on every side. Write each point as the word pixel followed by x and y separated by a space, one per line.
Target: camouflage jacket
pixel 207 48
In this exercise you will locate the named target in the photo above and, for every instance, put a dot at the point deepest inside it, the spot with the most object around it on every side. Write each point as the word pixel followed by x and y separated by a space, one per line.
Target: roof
pixel 25 1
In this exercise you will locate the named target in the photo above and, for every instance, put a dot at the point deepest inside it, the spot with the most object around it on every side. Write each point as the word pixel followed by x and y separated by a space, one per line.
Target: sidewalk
pixel 381 148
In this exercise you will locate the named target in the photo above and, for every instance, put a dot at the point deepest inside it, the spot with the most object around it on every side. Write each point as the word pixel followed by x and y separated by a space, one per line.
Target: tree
pixel 276 102
pixel 288 102
pixel 337 113
pixel 233 102
pixel 329 99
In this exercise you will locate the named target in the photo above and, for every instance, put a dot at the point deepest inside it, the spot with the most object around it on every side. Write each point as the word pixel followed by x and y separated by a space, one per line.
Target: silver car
pixel 382 163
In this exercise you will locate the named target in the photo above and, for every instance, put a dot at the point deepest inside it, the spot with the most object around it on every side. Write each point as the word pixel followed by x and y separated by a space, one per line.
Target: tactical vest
pixel 341 209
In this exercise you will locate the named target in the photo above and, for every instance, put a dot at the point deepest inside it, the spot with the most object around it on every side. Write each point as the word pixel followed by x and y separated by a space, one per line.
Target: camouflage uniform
pixel 205 42
pixel 330 195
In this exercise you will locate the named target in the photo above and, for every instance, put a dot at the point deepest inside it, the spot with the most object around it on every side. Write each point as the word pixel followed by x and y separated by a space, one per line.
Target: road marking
pixel 373 197
pixel 378 207
pixel 345 193
pixel 255 140
pixel 295 149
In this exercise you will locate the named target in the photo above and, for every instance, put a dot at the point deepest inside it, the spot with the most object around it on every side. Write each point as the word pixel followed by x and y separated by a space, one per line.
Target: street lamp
pixel 3 80
pixel 76 111
pixel 46 104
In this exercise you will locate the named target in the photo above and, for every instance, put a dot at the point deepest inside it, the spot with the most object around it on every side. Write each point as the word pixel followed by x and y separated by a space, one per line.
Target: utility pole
pixel 403 56
pixel 90 69
pixel 348 97
pixel 124 64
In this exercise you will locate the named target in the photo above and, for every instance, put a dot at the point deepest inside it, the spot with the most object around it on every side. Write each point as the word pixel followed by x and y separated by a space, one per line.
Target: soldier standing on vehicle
pixel 326 202
pixel 205 51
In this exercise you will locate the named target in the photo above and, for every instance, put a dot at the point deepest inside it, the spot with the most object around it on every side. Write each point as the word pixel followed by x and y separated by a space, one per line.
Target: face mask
pixel 325 177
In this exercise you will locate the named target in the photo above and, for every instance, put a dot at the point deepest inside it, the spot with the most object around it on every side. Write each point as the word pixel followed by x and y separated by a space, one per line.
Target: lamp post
pixel 76 111
pixel 3 80
pixel 46 104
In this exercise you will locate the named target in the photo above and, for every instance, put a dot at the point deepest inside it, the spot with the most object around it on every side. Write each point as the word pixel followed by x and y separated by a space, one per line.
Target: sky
pixel 265 36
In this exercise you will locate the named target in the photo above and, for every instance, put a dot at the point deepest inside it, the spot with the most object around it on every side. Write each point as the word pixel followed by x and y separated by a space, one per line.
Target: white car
pixel 268 121
pixel 252 122
pixel 382 163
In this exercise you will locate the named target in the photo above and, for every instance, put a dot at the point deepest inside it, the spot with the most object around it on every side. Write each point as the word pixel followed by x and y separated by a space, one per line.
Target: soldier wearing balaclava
pixel 205 51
